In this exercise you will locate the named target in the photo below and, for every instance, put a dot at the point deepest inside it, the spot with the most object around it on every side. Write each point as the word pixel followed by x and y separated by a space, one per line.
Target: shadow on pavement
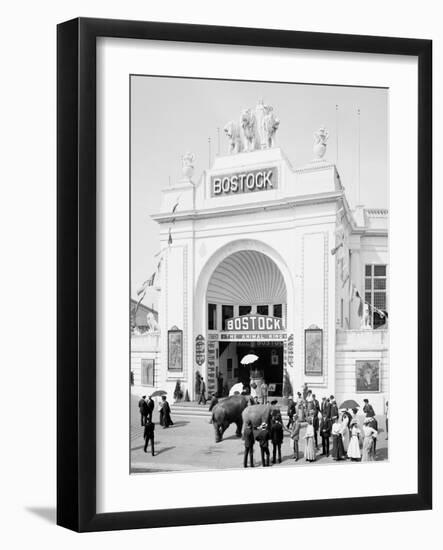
pixel 179 423
pixel 164 450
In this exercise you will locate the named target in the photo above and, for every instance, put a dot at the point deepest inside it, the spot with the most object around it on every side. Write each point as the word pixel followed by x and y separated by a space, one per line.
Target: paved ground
pixel 190 445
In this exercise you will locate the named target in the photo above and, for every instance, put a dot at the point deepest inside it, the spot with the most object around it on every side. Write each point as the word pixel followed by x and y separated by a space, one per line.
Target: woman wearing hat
pixel 354 443
pixel 369 434
pixel 309 439
pixel 338 451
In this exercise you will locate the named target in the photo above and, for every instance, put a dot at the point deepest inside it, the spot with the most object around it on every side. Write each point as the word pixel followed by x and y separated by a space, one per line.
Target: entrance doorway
pixel 269 365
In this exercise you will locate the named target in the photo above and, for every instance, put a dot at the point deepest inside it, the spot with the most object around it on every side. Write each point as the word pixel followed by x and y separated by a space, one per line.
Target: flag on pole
pixel 334 250
pixel 149 282
pixel 170 237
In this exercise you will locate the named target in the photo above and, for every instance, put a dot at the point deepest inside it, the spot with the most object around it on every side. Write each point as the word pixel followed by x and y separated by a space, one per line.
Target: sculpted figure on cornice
pixel 255 130
pixel 320 142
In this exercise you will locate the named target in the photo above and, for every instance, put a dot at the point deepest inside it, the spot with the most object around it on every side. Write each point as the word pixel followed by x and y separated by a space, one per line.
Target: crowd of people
pixel 146 407
pixel 325 420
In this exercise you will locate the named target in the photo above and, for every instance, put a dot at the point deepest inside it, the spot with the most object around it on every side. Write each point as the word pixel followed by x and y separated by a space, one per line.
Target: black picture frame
pixel 76 280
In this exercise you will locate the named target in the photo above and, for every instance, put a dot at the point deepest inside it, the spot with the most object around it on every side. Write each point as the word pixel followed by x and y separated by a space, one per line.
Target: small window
pixel 263 310
pixel 147 374
pixel 379 271
pixel 278 310
pixel 375 293
pixel 212 316
pixel 227 313
pixel 244 310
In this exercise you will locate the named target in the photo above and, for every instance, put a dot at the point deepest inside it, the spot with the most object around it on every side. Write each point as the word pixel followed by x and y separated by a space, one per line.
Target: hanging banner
pixel 200 350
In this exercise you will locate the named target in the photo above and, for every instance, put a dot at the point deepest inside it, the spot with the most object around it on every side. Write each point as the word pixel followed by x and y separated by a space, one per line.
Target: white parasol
pixel 248 359
pixel 236 389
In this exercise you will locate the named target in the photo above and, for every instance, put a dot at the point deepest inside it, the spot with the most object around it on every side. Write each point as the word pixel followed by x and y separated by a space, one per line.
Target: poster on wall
pixel 175 349
pixel 367 376
pixel 314 351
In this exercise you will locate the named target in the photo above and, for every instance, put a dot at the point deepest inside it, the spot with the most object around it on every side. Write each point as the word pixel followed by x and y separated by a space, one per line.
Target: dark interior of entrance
pixel 269 364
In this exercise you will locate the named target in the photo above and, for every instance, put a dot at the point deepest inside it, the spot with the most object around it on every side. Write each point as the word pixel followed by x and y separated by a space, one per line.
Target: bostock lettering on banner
pixel 263 179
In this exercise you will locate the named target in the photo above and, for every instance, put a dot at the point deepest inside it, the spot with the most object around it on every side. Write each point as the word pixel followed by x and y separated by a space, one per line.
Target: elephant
pixel 257 414
pixel 226 412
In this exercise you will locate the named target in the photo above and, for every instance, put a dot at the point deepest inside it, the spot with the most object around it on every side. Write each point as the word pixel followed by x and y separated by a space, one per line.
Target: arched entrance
pixel 246 312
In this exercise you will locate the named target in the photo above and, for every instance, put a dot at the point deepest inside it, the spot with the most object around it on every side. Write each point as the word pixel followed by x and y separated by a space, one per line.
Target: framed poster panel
pixel 367 376
pixel 259 217
pixel 314 352
pixel 175 350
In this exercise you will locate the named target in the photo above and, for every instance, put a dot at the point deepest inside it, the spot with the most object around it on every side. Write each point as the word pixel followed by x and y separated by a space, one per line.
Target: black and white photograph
pixel 259 262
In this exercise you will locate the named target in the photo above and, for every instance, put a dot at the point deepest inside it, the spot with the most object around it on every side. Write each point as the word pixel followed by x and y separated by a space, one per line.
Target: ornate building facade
pixel 259 256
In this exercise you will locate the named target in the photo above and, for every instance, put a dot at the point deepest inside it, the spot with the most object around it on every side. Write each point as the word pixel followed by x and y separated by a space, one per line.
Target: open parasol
pixel 248 359
pixel 349 404
pixel 158 393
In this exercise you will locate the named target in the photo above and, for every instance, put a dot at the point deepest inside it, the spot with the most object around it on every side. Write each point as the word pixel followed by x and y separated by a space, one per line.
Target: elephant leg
pixel 239 427
pixel 218 433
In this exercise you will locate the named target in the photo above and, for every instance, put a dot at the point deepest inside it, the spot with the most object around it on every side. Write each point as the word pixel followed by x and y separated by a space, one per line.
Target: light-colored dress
pixel 345 431
pixel 309 447
pixel 368 443
pixel 354 445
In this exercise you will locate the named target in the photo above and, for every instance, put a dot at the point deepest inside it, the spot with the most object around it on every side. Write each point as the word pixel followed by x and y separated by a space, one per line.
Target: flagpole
pixel 336 135
pixel 358 159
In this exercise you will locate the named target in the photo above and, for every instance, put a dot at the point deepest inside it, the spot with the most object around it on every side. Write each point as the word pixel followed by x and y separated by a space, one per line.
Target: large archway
pixel 244 280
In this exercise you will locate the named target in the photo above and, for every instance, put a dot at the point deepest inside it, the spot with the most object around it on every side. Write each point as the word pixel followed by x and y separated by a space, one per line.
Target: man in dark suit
pixel 334 409
pixel 324 406
pixel 248 436
pixel 315 420
pixel 149 436
pixel 325 432
pixel 144 411
pixel 263 440
pixel 276 438
pixel 202 393
pixel 151 406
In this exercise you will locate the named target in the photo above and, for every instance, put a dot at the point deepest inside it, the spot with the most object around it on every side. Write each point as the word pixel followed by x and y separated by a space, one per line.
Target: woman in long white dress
pixel 354 443
pixel 309 439
pixel 369 434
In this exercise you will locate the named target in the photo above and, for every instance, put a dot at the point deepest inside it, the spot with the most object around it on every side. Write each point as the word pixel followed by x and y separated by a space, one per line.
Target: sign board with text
pixel 248 181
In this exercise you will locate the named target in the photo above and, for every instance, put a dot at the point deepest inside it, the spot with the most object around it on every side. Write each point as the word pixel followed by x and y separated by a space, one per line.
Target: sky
pixel 170 116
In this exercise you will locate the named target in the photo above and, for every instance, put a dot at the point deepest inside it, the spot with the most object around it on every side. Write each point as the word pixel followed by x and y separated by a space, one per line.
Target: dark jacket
pixel 368 410
pixel 248 436
pixel 263 438
pixel 143 406
pixel 333 411
pixel 325 427
pixel 149 430
pixel 277 433
pixel 150 405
